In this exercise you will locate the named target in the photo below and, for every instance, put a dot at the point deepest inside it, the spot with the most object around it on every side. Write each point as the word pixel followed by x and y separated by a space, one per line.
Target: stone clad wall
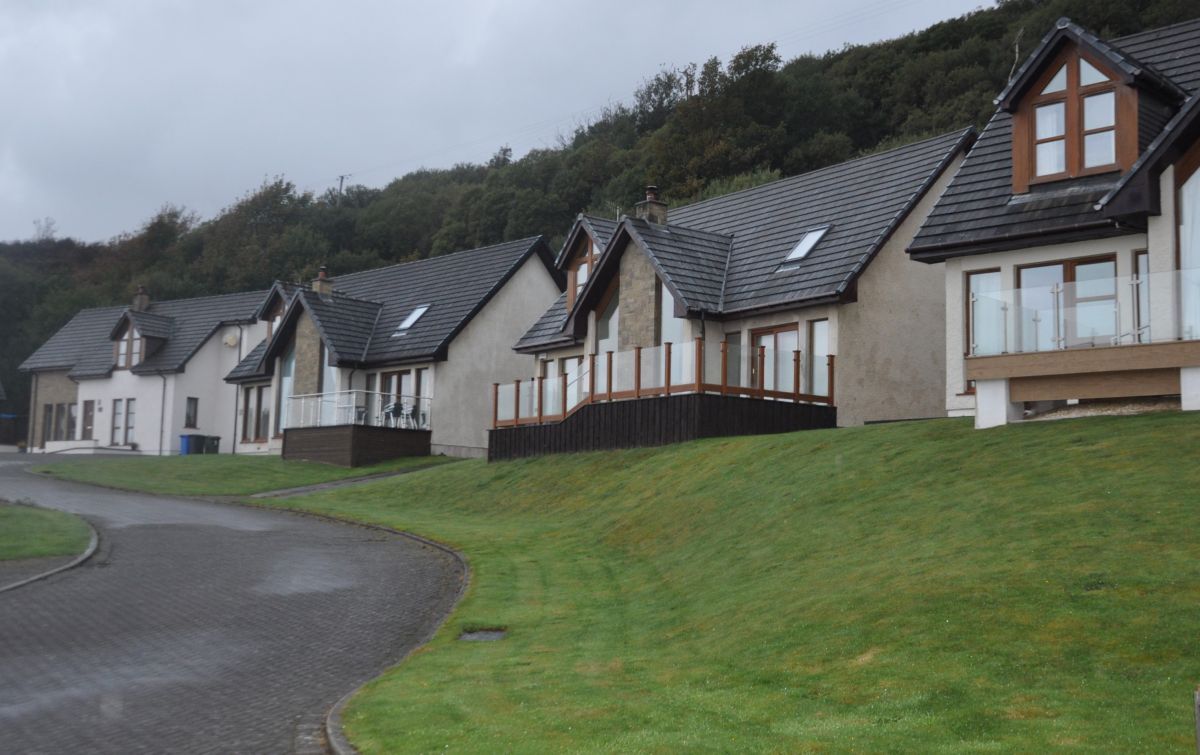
pixel 639 301
pixel 48 388
pixel 308 356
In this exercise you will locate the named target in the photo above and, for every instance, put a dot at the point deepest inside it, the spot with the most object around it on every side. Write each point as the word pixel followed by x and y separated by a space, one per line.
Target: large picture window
pixel 985 314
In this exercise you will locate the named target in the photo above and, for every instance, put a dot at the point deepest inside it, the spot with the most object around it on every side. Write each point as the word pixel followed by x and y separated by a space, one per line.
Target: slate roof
pixel 148 324
pixel 359 321
pixel 251 367
pixel 547 332
pixel 84 345
pixel 978 211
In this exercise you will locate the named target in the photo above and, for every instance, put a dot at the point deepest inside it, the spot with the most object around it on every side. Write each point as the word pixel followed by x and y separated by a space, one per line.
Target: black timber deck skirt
pixel 656 422
pixel 353 445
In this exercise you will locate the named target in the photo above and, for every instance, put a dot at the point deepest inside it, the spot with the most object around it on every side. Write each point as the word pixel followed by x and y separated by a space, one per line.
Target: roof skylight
pixel 805 245
pixel 411 320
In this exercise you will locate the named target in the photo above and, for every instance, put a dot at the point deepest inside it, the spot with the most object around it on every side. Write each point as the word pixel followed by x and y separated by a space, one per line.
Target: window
pixel 776 349
pixel 985 314
pixel 1068 304
pixel 72 412
pixel 411 320
pixel 1069 125
pixel 809 240
pixel 273 319
pixel 580 270
pixel 89 420
pixel 47 423
pixel 117 419
pixel 191 412
pixel 1187 195
pixel 129 404
pixel 129 349
pixel 60 422
pixel 287 371
pixel 256 413
pixel 818 359
pixel 1141 292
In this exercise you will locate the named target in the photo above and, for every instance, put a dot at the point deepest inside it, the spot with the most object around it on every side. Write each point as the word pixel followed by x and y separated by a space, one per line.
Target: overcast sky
pixel 113 108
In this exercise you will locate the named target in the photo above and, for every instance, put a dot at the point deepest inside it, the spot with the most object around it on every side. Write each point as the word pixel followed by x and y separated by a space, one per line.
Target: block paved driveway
pixel 201 627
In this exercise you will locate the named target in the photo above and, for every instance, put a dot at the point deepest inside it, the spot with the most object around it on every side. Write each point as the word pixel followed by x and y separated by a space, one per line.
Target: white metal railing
pixel 367 408
pixel 1118 311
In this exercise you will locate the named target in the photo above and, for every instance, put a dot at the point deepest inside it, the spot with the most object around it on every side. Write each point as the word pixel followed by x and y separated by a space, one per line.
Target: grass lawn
pixel 218 474
pixel 29 532
pixel 915 587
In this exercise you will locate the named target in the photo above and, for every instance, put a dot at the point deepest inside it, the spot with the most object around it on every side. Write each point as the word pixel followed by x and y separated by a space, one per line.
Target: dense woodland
pixel 698 130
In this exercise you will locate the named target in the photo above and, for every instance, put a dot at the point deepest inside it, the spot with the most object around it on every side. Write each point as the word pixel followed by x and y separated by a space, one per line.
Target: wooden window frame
pixel 1069 266
pixel 261 428
pixel 126 361
pixel 770 330
pixel 588 257
pixel 246 393
pixel 1025 141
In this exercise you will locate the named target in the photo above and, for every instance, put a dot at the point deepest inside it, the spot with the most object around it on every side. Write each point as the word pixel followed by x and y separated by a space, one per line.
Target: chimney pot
pixel 652 208
pixel 323 285
pixel 141 300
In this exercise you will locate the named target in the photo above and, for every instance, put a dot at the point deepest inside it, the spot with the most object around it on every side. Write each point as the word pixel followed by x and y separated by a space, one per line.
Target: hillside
pixel 911 587
pixel 697 130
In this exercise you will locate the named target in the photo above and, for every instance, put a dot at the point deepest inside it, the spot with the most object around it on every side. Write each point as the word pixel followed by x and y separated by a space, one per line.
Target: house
pixel 136 378
pixel 749 312
pixel 394 361
pixel 1068 237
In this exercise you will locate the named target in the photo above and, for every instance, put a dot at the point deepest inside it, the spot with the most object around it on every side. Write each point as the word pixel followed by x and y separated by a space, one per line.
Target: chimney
pixel 141 300
pixel 323 285
pixel 652 208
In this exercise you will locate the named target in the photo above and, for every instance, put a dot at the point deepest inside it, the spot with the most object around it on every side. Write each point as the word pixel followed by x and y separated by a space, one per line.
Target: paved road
pixel 200 627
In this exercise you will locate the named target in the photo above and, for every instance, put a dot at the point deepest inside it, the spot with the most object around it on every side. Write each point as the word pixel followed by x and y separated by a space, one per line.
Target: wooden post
pixel 667 367
pixel 516 402
pixel 796 375
pixel 495 405
pixel 699 364
pixel 830 391
pixel 608 385
pixel 541 389
pixel 563 391
pixel 762 371
pixel 591 376
pixel 724 367
pixel 637 371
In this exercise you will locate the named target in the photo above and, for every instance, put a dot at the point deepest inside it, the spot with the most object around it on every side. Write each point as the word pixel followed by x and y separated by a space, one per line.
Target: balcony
pixel 356 428
pixel 1128 335
pixel 363 408
pixel 664 394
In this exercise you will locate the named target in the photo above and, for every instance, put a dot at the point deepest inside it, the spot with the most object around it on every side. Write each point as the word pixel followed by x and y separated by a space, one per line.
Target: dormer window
pixel 411 320
pixel 1071 123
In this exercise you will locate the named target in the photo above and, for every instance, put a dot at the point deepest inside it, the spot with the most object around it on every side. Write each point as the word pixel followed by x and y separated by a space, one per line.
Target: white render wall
pixel 481 354
pixel 959 403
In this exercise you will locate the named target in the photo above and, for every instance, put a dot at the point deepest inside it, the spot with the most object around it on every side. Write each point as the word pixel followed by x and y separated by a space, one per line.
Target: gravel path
pixel 202 627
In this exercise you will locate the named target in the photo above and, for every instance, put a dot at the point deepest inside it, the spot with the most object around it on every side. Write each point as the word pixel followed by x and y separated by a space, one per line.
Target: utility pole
pixel 341 181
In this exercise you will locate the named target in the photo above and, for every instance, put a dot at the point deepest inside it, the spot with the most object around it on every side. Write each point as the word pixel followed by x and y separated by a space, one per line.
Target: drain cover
pixel 483 635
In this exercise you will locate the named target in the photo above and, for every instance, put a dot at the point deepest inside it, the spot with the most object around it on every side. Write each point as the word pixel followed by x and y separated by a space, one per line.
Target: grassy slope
pixel 915 586
pixel 902 587
pixel 28 532
pixel 214 475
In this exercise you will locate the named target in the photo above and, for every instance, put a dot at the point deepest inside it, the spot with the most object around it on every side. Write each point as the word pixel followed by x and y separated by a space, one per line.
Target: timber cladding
pixel 659 421
pixel 1164 382
pixel 1150 356
pixel 353 445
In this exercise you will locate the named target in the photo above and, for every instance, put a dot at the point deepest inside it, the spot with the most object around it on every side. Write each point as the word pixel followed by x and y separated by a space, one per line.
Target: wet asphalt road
pixel 200 627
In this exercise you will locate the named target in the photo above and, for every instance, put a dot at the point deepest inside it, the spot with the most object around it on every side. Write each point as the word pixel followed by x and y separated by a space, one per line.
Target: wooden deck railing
pixel 542 409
